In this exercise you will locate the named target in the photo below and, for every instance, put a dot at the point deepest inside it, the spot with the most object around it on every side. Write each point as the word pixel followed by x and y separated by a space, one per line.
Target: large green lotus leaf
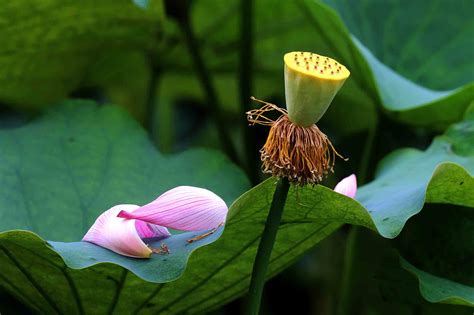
pixel 427 42
pixel 51 48
pixel 61 171
pixel 414 104
pixel 404 180
pixel 312 213
pixel 221 271
pixel 441 173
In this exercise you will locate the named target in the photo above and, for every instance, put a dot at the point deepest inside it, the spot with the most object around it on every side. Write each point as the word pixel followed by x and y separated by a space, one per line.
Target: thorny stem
pixel 265 247
pixel 211 95
pixel 245 83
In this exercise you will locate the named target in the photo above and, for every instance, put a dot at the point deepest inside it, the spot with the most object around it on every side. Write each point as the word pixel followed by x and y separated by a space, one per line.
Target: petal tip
pixel 347 186
pixel 117 234
pixel 184 208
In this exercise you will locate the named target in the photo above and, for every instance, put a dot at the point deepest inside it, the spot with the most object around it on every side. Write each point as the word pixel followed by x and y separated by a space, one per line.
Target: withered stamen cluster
pixel 304 155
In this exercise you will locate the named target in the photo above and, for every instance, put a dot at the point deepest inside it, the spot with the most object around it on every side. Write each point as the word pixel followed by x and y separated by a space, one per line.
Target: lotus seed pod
pixel 311 82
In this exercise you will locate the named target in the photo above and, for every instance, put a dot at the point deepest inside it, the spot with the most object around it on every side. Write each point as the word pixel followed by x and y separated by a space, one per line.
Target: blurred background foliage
pixel 185 70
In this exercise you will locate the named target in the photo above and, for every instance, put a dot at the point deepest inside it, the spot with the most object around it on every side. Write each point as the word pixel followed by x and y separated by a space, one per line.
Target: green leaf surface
pixel 220 271
pixel 414 104
pixel 403 180
pixel 311 214
pixel 440 290
pixel 407 177
pixel 408 100
pixel 60 172
pixel 51 48
pixel 426 42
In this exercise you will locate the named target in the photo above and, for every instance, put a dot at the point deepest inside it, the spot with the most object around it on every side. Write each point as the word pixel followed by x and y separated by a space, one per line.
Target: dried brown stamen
pixel 200 237
pixel 162 250
pixel 304 155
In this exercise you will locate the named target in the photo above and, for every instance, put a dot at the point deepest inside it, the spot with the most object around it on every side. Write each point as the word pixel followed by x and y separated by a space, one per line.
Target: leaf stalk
pixel 206 81
pixel 265 247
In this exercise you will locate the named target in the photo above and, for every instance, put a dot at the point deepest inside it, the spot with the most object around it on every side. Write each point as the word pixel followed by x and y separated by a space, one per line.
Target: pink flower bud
pixel 347 186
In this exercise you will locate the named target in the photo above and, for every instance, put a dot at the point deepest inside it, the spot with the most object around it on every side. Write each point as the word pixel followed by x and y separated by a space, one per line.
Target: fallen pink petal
pixel 122 228
pixel 147 230
pixel 123 236
pixel 347 186
pixel 183 208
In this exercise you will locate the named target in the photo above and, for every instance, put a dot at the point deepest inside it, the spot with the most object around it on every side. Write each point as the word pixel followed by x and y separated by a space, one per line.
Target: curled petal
pixel 147 230
pixel 120 235
pixel 347 186
pixel 183 208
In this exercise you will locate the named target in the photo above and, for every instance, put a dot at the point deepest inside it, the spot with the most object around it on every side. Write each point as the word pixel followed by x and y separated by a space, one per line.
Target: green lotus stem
pixel 151 100
pixel 206 81
pixel 265 247
pixel 347 277
pixel 367 154
pixel 347 272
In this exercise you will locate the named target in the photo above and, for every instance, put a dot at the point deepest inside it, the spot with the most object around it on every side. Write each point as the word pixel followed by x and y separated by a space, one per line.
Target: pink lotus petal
pixel 147 230
pixel 183 208
pixel 121 235
pixel 347 186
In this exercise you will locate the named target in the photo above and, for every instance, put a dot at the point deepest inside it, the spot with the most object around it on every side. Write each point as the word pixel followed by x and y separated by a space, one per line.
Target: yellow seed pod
pixel 311 82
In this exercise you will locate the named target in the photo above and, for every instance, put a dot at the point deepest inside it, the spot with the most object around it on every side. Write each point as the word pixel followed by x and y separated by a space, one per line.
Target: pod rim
pixel 316 66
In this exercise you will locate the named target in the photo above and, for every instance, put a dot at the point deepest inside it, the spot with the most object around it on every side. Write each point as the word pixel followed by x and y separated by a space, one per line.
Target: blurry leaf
pixel 413 103
pixel 124 78
pixel 141 3
pixel 219 41
pixel 408 177
pixel 58 174
pixel 426 42
pixel 438 248
pixel 379 284
pixel 313 26
pixel 49 48
pixel 440 290
pixel 404 99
